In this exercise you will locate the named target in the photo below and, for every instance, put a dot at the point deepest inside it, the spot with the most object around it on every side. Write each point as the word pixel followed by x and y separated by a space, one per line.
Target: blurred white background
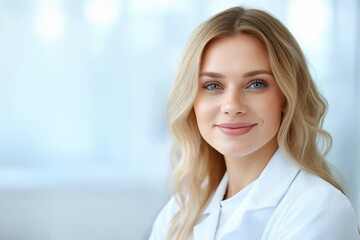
pixel 83 89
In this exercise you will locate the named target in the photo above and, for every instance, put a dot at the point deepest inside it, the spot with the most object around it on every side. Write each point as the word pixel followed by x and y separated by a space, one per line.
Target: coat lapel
pixel 258 206
pixel 252 215
pixel 206 227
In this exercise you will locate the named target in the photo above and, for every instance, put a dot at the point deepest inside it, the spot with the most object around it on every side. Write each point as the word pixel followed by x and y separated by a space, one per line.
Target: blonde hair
pixel 199 167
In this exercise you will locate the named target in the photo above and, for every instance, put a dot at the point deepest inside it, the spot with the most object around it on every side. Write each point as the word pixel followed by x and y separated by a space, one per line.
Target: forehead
pixel 235 52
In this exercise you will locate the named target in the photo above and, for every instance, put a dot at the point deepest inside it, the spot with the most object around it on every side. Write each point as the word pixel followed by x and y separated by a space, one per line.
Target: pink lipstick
pixel 235 129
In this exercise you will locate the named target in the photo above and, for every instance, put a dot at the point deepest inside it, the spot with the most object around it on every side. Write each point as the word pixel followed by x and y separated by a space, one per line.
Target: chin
pixel 235 151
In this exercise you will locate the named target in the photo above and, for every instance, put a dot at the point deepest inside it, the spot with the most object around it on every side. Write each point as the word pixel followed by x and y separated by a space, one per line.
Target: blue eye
pixel 258 84
pixel 211 86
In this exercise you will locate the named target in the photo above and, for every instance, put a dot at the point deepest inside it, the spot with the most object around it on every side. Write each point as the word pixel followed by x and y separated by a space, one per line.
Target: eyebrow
pixel 245 75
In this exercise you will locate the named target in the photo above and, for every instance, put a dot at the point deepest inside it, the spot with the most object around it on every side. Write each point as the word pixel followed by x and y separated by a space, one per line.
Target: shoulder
pixel 316 196
pixel 314 209
pixel 162 221
pixel 309 188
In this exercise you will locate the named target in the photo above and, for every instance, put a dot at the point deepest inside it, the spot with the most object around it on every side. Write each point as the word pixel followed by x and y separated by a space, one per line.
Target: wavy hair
pixel 198 167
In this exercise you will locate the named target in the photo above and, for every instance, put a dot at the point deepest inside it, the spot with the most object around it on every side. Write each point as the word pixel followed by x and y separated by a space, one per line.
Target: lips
pixel 235 129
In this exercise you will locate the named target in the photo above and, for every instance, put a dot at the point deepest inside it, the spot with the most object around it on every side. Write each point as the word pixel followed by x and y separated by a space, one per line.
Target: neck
pixel 244 170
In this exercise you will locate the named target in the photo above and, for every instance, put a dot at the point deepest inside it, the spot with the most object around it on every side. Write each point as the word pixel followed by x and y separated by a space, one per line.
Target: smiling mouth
pixel 235 129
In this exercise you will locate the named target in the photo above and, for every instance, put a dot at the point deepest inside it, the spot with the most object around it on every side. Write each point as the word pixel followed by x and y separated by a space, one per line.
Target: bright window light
pixel 309 21
pixel 146 6
pixel 101 13
pixel 50 21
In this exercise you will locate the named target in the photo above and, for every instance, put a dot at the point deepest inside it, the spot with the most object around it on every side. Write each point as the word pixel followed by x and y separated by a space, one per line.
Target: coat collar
pixel 218 195
pixel 273 182
pixel 267 191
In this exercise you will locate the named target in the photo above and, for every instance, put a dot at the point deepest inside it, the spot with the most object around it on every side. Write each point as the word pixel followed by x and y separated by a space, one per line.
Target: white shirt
pixel 228 206
pixel 285 203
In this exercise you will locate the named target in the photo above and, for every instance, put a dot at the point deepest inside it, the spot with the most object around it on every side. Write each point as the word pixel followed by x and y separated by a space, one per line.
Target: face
pixel 238 105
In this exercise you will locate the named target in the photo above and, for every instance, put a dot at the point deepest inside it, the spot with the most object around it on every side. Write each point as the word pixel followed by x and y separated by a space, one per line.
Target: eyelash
pixel 208 84
pixel 258 81
pixel 218 86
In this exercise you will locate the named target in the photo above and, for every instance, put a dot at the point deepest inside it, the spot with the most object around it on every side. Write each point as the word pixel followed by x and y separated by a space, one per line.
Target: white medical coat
pixel 285 203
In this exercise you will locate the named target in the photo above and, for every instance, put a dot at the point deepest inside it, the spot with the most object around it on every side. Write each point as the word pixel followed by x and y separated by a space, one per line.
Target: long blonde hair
pixel 199 167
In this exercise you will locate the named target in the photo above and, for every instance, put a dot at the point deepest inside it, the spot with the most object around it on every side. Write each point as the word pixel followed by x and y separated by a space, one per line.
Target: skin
pixel 236 85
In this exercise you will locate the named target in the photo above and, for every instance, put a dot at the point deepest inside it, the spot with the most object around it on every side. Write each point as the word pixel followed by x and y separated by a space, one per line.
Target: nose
pixel 234 103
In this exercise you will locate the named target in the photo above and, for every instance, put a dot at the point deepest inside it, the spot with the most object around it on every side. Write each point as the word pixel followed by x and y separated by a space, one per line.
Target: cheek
pixel 202 108
pixel 271 111
pixel 205 114
pixel 198 110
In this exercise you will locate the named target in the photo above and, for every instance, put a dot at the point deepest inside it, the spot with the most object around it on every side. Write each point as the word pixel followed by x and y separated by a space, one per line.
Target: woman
pixel 246 117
